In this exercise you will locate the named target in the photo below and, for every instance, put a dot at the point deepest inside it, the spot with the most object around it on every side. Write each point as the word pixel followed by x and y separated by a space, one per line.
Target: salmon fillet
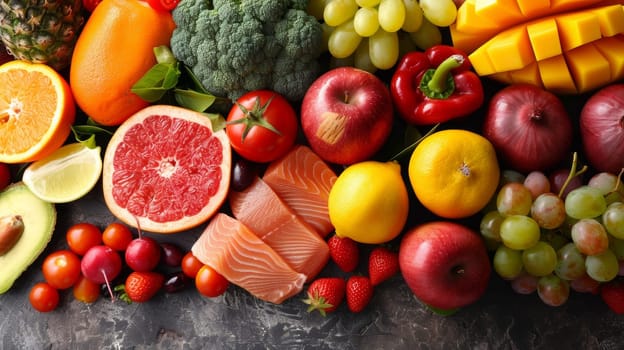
pixel 260 209
pixel 235 252
pixel 303 180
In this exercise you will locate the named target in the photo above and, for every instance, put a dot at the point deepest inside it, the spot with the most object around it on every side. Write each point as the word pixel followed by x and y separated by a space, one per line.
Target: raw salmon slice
pixel 245 260
pixel 303 180
pixel 261 209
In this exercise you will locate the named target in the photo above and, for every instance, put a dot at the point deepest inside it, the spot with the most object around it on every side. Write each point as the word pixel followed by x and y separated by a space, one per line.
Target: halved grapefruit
pixel 166 170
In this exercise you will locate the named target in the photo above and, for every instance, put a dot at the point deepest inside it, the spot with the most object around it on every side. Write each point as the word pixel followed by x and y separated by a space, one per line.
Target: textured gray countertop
pixel 393 320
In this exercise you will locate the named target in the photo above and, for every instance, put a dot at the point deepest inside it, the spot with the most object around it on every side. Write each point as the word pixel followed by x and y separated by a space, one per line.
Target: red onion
pixel 602 129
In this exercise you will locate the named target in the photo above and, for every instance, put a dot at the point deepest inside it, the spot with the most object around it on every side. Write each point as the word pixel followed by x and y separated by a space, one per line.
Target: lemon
pixel 369 202
pixel 67 174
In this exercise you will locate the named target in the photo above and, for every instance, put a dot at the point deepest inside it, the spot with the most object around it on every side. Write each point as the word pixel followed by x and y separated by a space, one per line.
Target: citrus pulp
pixel 36 111
pixel 166 170
pixel 454 173
pixel 369 202
pixel 66 175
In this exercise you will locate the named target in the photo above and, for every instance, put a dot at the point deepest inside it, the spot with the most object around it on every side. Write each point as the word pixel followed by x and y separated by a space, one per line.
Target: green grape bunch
pixel 373 34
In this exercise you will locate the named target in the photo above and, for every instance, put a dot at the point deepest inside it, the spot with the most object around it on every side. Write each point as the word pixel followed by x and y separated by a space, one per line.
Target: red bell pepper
pixel 435 86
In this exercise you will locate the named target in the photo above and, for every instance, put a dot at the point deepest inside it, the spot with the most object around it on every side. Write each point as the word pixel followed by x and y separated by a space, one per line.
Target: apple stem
pixel 573 173
pixel 459 270
pixel 138 225
pixel 110 291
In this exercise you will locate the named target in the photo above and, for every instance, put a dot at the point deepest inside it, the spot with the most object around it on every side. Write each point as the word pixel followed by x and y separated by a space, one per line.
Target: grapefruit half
pixel 166 170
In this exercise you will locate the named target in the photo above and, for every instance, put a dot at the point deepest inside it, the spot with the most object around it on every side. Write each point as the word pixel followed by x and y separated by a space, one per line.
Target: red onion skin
pixel 529 127
pixel 602 129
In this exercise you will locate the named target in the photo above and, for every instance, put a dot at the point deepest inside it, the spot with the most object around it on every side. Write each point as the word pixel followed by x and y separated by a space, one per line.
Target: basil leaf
pixel 217 120
pixel 150 87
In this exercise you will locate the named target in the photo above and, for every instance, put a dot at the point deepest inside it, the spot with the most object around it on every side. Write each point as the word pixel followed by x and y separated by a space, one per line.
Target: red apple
pixel 346 115
pixel 445 264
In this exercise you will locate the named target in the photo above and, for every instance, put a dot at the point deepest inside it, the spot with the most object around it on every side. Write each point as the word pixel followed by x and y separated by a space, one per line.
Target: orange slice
pixel 36 111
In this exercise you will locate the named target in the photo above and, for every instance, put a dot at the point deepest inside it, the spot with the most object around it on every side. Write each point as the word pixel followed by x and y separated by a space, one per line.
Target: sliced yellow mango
pixel 589 68
pixel 529 75
pixel 578 28
pixel 500 12
pixel 510 51
pixel 533 8
pixel 469 22
pixel 544 38
pixel 611 19
pixel 612 48
pixel 555 75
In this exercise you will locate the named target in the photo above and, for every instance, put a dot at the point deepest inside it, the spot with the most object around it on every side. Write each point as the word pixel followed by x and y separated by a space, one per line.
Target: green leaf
pixel 411 147
pixel 85 134
pixel 217 120
pixel 197 85
pixel 197 101
pixel 156 82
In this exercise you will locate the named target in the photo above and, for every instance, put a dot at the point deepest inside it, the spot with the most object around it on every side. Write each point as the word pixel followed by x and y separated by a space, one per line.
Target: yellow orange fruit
pixel 369 202
pixel 454 173
pixel 114 50
pixel 36 111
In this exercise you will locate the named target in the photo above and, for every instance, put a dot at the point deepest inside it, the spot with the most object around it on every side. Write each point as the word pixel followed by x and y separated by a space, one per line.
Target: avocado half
pixel 39 221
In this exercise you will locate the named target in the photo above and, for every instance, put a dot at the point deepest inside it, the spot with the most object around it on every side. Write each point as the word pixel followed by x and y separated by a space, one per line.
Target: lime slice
pixel 65 175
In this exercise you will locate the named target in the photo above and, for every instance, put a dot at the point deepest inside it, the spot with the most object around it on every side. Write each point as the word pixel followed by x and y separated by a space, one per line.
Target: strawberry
pixel 382 264
pixel 325 294
pixel 612 293
pixel 142 286
pixel 344 252
pixel 359 292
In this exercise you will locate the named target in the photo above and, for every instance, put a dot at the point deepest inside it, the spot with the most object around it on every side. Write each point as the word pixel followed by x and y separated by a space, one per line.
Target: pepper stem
pixel 438 82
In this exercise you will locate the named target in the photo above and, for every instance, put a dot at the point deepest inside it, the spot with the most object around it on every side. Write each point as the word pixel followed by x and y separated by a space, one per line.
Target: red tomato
pixel 61 269
pixel 90 5
pixel 80 237
pixel 250 121
pixel 117 236
pixel 86 290
pixel 190 265
pixel 210 283
pixel 5 176
pixel 163 5
pixel 43 297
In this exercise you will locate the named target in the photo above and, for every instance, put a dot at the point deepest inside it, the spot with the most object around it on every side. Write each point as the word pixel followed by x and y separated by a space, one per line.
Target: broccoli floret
pixel 235 46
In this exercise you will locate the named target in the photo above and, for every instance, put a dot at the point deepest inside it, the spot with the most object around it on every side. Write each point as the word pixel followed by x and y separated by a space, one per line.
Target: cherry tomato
pixel 43 297
pixel 80 237
pixel 190 265
pixel 5 176
pixel 210 283
pixel 90 5
pixel 250 121
pixel 61 269
pixel 163 5
pixel 86 290
pixel 117 236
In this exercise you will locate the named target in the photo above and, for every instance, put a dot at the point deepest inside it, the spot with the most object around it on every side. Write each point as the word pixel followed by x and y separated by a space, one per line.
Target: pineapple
pixel 42 31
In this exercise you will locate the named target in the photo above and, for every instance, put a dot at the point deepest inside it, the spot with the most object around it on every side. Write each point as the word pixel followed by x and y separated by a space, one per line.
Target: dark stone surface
pixel 394 319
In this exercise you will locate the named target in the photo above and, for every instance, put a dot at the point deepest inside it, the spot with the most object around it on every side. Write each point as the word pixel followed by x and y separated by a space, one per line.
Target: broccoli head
pixel 236 46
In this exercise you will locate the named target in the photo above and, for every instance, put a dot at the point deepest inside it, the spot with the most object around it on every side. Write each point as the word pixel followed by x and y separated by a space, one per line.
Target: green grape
pixel 365 21
pixel 613 219
pixel 617 247
pixel 427 35
pixel 540 259
pixel 413 16
pixel 555 238
pixel 441 13
pixel 514 199
pixel 605 182
pixel 570 262
pixel 548 210
pixel 602 267
pixel 585 202
pixel 519 232
pixel 327 30
pixel 362 59
pixel 507 262
pixel 537 182
pixel 383 49
pixel 585 284
pixel 391 15
pixel 490 225
pixel 509 175
pixel 590 237
pixel 337 12
pixel 343 41
pixel 553 290
pixel 367 3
